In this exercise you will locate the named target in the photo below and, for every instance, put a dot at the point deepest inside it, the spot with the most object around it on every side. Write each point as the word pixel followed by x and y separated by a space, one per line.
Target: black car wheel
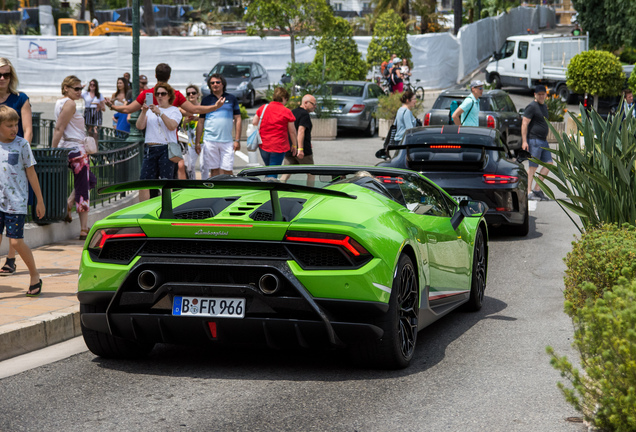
pixel 252 100
pixel 495 80
pixel 396 347
pixel 478 285
pixel 108 346
pixel 371 129
pixel 564 93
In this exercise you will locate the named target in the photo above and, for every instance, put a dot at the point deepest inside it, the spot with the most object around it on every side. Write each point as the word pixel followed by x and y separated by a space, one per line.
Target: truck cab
pixel 74 27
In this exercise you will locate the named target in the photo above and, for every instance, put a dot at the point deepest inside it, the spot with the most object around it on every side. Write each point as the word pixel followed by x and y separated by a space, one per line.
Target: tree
pixel 340 52
pixel 149 18
pixel 296 18
pixel 611 23
pixel 426 10
pixel 389 37
pixel 596 73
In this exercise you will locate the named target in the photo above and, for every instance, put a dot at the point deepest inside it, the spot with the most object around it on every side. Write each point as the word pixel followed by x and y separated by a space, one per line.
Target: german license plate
pixel 208 307
pixel 459 198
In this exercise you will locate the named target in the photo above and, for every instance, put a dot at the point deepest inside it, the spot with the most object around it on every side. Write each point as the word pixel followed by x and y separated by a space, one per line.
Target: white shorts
pixel 216 155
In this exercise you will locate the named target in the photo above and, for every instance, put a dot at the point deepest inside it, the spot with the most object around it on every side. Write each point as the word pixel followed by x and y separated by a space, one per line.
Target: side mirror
pixel 496 55
pixel 205 75
pixel 467 209
pixel 521 111
pixel 381 154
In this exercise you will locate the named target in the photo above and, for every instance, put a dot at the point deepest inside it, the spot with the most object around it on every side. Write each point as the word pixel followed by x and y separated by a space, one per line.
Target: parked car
pixel 497 111
pixel 352 103
pixel 248 81
pixel 357 261
pixel 470 163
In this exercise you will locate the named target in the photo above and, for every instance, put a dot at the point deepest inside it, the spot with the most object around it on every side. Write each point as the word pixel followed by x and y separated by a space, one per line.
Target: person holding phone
pixel 160 122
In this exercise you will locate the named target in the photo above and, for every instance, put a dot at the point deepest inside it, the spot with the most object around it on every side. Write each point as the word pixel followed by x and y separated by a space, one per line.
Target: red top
pixel 274 132
pixel 179 99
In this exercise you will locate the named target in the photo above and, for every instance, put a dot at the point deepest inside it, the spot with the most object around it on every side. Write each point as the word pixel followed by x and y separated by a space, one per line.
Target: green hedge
pixel 601 257
pixel 605 336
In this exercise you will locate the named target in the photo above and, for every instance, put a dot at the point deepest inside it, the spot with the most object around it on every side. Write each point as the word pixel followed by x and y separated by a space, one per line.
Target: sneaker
pixel 541 195
pixel 534 196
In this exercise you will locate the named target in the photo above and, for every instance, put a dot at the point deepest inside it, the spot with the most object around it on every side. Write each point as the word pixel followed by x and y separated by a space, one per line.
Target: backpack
pixel 453 106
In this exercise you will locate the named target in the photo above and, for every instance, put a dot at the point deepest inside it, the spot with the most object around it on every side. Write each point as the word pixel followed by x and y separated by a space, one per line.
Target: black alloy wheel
pixel 252 99
pixel 480 269
pixel 407 307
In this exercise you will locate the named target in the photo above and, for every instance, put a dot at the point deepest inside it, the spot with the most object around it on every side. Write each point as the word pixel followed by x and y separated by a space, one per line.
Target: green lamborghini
pixel 358 258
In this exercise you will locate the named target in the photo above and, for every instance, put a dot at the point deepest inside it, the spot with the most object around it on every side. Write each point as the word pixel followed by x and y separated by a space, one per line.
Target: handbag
pixel 253 133
pixel 89 144
pixel 175 152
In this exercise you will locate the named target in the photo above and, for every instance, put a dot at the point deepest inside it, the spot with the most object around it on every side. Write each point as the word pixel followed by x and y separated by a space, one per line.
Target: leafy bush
pixel 389 105
pixel 343 60
pixel 600 257
pixel 628 55
pixel 244 114
pixel 631 82
pixel 556 108
pixel 595 72
pixel 605 336
pixel 389 37
pixel 597 176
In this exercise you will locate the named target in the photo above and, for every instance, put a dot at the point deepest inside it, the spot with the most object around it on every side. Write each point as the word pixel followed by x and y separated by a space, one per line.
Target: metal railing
pixel 116 161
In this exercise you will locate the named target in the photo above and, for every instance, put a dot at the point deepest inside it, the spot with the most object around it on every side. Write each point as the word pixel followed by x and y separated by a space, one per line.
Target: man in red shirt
pixel 162 73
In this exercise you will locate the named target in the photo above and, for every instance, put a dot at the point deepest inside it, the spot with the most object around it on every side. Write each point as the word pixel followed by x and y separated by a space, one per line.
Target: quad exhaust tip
pixel 269 284
pixel 148 280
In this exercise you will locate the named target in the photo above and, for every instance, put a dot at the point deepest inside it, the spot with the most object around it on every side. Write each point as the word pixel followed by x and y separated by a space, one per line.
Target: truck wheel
pixel 495 80
pixel 564 93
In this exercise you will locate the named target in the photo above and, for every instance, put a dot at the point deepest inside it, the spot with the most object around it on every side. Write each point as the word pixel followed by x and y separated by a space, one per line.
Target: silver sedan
pixel 352 103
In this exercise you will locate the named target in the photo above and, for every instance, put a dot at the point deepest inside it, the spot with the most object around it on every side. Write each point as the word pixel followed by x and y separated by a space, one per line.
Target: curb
pixel 39 332
pixel 56 326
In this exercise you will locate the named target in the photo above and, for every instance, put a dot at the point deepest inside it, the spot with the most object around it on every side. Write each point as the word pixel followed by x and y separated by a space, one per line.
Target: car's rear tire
pixel 372 127
pixel 523 229
pixel 480 269
pixel 396 347
pixel 108 346
pixel 251 101
pixel 495 80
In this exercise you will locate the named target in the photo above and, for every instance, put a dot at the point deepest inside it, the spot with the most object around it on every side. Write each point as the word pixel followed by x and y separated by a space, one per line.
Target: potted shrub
pixel 556 112
pixel 245 120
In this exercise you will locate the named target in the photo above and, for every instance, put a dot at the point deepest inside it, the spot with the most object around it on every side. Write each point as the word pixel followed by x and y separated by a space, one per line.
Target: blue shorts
pixel 14 224
pixel 539 149
pixel 156 163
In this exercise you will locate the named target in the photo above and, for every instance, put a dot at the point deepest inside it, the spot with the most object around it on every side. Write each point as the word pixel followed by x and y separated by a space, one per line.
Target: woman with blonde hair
pixel 11 97
pixel 70 133
pixel 189 126
pixel 277 128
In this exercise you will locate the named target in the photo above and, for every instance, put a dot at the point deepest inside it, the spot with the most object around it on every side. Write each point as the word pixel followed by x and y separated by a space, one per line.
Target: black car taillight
pixel 499 179
pixel 346 251
pixel 103 235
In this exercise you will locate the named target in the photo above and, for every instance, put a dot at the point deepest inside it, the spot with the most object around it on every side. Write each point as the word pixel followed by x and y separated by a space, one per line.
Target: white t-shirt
pixel 90 101
pixel 15 158
pixel 74 129
pixel 156 130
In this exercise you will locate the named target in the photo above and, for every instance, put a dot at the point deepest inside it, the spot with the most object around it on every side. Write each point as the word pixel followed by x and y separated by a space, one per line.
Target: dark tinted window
pixel 522 53
pixel 458 139
pixel 508 49
pixel 232 71
pixel 423 198
pixel 443 102
pixel 346 90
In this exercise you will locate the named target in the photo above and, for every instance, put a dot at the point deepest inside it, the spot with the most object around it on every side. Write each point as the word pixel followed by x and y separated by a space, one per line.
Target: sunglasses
pixel 6 75
pixel 161 93
pixel 215 82
pixel 76 88
pixel 143 83
pixel 191 93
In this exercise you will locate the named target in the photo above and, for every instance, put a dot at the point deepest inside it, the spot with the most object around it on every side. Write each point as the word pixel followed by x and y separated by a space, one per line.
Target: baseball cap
pixel 476 83
pixel 540 89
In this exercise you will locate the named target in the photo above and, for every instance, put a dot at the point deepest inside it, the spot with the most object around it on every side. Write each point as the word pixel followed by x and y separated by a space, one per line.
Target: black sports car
pixel 470 163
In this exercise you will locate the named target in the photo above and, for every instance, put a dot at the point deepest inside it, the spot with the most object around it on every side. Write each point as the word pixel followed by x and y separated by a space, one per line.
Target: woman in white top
pixel 160 120
pixel 94 104
pixel 69 133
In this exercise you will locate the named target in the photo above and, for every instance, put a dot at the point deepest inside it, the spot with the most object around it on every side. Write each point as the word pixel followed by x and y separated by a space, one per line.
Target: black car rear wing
pixel 166 187
pixel 426 161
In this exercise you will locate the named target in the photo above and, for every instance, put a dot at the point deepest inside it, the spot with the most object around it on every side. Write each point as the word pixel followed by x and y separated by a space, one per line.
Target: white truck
pixel 528 60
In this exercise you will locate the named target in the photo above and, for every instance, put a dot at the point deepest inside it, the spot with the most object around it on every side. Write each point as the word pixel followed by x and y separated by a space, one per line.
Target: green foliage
pixel 343 60
pixel 631 82
pixel 244 114
pixel 389 105
pixel 389 37
pixel 600 257
pixel 628 55
pixel 492 8
pixel 297 18
pixel 595 72
pixel 610 23
pixel 594 168
pixel 306 75
pixel 605 336
pixel 556 108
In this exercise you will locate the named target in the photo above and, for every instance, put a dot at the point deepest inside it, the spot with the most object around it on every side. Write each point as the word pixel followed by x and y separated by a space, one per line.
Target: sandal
pixel 8 268
pixel 68 217
pixel 83 234
pixel 38 287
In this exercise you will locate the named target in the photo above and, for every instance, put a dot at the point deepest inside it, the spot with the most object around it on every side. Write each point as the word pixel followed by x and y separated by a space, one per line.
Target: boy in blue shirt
pixel 17 171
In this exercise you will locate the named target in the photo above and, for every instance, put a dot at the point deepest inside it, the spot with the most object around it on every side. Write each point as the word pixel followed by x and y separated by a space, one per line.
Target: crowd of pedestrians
pixel 212 127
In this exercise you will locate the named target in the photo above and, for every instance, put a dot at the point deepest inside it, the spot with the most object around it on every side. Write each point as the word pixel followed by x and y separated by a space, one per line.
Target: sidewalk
pixel 28 324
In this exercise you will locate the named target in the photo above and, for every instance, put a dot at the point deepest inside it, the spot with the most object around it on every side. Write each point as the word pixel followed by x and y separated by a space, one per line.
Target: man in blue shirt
pixel 467 114
pixel 217 152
